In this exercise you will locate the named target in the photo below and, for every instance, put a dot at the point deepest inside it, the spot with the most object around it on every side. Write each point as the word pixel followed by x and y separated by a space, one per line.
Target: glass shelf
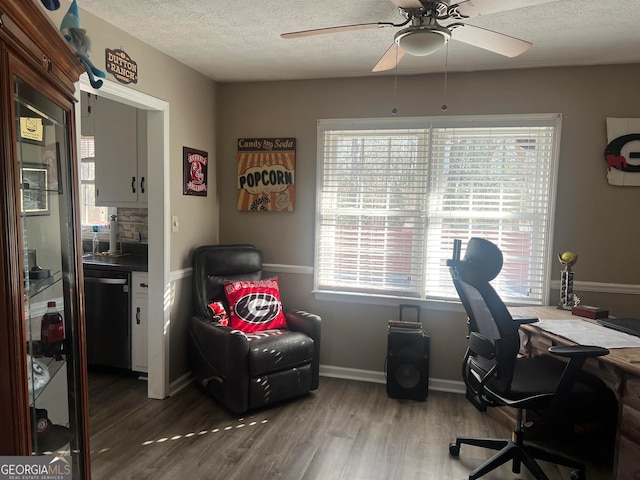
pixel 33 287
pixel 53 366
pixel 48 437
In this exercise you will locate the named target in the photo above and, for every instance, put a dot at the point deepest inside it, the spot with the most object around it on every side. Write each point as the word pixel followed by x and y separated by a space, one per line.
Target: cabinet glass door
pixel 50 287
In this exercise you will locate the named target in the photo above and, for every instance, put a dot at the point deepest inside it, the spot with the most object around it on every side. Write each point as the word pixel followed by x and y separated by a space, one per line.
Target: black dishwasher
pixel 107 314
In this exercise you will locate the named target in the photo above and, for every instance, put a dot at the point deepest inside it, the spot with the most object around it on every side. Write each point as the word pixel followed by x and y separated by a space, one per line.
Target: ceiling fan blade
pixel 490 40
pixel 390 59
pixel 407 3
pixel 343 28
pixel 474 8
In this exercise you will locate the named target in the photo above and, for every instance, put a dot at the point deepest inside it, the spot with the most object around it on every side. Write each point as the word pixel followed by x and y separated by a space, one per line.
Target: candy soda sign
pixel 266 174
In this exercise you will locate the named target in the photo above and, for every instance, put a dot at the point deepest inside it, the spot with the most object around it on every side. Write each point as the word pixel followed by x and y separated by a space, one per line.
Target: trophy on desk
pixel 567 298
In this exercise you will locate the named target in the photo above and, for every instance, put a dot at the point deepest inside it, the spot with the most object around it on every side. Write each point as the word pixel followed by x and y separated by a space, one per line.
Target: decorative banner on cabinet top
pixel 622 154
pixel 121 66
pixel 266 174
pixel 194 170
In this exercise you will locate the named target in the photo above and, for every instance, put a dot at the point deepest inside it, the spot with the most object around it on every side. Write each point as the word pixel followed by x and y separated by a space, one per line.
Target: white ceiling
pixel 240 40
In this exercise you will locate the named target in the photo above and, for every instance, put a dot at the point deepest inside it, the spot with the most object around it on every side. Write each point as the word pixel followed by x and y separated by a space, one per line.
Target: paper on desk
pixel 587 333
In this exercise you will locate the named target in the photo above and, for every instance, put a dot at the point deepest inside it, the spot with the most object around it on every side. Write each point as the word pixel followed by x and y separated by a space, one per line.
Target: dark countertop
pixel 133 258
pixel 125 263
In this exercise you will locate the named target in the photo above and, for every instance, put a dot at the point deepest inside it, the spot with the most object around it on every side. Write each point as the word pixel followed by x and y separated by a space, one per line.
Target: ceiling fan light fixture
pixel 423 40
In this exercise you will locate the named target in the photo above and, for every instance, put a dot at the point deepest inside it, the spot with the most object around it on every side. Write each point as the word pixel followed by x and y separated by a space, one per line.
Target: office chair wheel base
pixel 454 450
pixel 578 475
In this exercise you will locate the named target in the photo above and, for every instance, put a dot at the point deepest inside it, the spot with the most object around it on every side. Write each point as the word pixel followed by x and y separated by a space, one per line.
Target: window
pixel 90 214
pixel 393 194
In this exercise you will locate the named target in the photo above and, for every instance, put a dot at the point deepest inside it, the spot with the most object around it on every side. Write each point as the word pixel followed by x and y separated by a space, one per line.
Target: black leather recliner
pixel 244 371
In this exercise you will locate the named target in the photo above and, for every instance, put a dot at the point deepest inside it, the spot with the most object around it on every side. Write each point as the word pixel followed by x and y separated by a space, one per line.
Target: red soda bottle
pixel 52 331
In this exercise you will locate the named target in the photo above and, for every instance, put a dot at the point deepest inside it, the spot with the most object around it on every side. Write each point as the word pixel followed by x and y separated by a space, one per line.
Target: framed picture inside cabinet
pixel 34 182
pixel 32 130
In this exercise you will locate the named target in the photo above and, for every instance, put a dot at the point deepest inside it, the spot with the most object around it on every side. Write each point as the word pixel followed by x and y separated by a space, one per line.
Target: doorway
pixel 158 221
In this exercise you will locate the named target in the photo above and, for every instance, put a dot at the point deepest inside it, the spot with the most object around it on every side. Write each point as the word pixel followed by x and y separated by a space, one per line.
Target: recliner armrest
pixel 304 322
pixel 309 324
pixel 222 346
pixel 219 358
pixel 570 351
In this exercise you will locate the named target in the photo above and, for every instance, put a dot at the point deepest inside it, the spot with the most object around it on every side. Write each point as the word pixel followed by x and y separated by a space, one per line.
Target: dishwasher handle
pixel 109 281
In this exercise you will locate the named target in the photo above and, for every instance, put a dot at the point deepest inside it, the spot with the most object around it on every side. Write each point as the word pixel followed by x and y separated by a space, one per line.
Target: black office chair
pixel 496 376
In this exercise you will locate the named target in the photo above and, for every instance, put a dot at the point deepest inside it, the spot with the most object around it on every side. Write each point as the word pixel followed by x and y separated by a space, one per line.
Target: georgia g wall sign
pixel 622 154
pixel 121 66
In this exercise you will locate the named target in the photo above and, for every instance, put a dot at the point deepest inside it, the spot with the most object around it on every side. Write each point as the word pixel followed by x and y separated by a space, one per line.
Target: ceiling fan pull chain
pixel 446 71
pixel 394 111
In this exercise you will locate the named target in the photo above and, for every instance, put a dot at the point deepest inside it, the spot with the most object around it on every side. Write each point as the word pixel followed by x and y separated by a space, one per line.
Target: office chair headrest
pixel 484 257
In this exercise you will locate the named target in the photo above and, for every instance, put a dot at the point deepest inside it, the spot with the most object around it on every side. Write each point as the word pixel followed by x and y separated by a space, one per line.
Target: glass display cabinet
pixel 43 376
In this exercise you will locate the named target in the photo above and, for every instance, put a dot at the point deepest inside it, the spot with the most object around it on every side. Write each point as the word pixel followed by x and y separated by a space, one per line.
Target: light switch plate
pixel 174 223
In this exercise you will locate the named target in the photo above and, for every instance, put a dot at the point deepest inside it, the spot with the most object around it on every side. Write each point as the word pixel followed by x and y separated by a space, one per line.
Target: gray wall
pixel 592 218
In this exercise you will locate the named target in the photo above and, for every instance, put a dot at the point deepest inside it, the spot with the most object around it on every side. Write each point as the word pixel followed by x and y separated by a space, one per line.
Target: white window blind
pixel 91 215
pixel 372 206
pixel 393 196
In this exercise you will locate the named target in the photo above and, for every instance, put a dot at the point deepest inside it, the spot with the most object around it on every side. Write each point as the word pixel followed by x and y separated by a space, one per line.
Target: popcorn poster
pixel 266 174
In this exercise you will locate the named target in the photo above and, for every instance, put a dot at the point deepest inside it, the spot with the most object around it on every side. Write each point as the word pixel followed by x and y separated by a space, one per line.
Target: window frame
pixel 553 120
pixel 86 229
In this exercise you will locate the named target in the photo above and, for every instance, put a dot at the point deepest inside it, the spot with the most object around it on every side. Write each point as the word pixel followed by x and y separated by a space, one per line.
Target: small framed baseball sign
pixel 195 165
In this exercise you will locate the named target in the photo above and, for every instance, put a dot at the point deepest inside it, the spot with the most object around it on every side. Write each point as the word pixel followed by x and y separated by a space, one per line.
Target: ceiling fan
pixel 425 35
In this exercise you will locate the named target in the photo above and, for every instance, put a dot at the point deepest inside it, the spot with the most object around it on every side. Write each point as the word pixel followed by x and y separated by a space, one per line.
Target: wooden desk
pixel 620 371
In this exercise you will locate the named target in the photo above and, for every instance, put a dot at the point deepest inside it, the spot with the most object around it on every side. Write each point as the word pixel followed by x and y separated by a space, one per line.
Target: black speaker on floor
pixel 407 359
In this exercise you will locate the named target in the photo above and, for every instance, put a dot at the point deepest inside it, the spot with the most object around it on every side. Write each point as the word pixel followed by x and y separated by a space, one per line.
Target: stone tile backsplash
pixel 132 221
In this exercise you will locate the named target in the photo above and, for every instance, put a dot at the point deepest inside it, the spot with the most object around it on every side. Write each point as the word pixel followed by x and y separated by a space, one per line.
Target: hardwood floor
pixel 346 430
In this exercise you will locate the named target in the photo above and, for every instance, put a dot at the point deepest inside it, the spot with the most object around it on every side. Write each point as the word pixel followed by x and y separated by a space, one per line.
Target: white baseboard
pixel 180 383
pixel 435 384
pixel 352 374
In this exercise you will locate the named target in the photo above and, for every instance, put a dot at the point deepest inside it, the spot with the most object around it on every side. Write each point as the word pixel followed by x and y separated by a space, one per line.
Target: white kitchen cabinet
pixel 120 159
pixel 139 321
pixel 141 129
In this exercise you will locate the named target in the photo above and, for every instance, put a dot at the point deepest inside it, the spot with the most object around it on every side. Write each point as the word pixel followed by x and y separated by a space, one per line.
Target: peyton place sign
pixel 121 66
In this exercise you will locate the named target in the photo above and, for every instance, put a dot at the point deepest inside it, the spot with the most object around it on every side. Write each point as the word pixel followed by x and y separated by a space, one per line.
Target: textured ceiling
pixel 240 40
